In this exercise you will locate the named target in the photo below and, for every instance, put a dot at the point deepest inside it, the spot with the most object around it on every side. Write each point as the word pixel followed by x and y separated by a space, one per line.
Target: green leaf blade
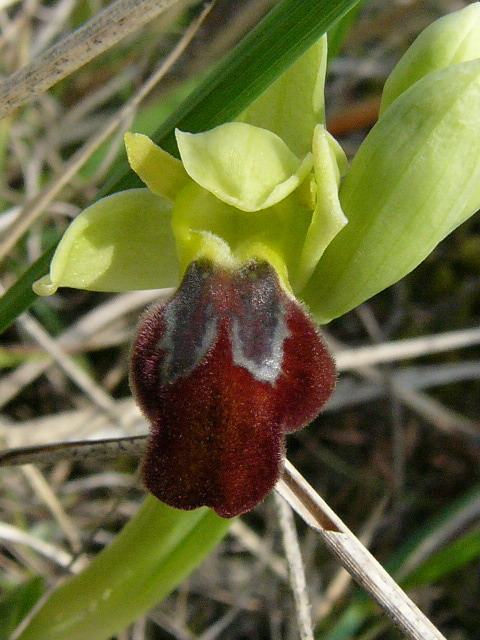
pixel 152 555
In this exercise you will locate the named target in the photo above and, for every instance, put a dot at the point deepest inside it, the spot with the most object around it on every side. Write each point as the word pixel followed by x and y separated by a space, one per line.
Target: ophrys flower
pixel 253 218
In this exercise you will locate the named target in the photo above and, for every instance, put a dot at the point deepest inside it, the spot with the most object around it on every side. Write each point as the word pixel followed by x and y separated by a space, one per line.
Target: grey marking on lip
pixel 258 334
pixel 190 324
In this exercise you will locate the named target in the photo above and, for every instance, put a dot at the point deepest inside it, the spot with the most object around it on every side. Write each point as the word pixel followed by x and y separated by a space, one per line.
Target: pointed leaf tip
pixel 450 40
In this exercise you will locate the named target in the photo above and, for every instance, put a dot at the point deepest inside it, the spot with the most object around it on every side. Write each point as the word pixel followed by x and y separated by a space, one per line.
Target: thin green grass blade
pixel 20 296
pixel 279 39
pixel 441 564
pixel 445 519
pixel 337 33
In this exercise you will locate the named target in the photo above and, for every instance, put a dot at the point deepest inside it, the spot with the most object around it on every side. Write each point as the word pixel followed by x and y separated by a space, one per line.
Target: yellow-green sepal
pixel 294 104
pixel 161 172
pixel 328 218
pixel 452 39
pixel 121 242
pixel 244 166
pixel 414 179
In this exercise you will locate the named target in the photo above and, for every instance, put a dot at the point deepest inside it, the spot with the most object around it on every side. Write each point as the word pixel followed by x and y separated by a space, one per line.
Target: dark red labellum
pixel 223 370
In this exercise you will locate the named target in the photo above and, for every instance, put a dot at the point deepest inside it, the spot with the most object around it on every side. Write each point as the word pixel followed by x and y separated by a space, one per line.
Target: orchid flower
pixel 253 226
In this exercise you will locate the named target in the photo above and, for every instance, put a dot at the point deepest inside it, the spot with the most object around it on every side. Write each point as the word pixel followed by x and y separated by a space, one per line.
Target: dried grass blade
pixel 405 349
pixel 340 541
pixel 358 561
pixel 75 451
pixel 296 571
pixel 97 35
pixel 37 205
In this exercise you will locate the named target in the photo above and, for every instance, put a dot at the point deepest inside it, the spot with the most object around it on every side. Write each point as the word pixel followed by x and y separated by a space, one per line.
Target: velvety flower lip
pixel 223 370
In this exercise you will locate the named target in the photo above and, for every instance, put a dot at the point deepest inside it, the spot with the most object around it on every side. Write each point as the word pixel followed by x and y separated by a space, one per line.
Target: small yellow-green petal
pixel 244 166
pixel 119 243
pixel 162 173
pixel 415 178
pixel 294 104
pixel 328 218
pixel 452 39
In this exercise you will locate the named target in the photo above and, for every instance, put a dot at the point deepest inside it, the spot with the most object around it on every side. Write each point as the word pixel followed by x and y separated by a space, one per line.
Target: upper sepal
pixel 246 167
pixel 294 104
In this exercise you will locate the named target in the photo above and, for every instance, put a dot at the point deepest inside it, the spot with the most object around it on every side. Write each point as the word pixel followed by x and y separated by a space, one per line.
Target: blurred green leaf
pixel 435 566
pixel 346 626
pixel 445 519
pixel 10 358
pixel 15 604
pixel 446 561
